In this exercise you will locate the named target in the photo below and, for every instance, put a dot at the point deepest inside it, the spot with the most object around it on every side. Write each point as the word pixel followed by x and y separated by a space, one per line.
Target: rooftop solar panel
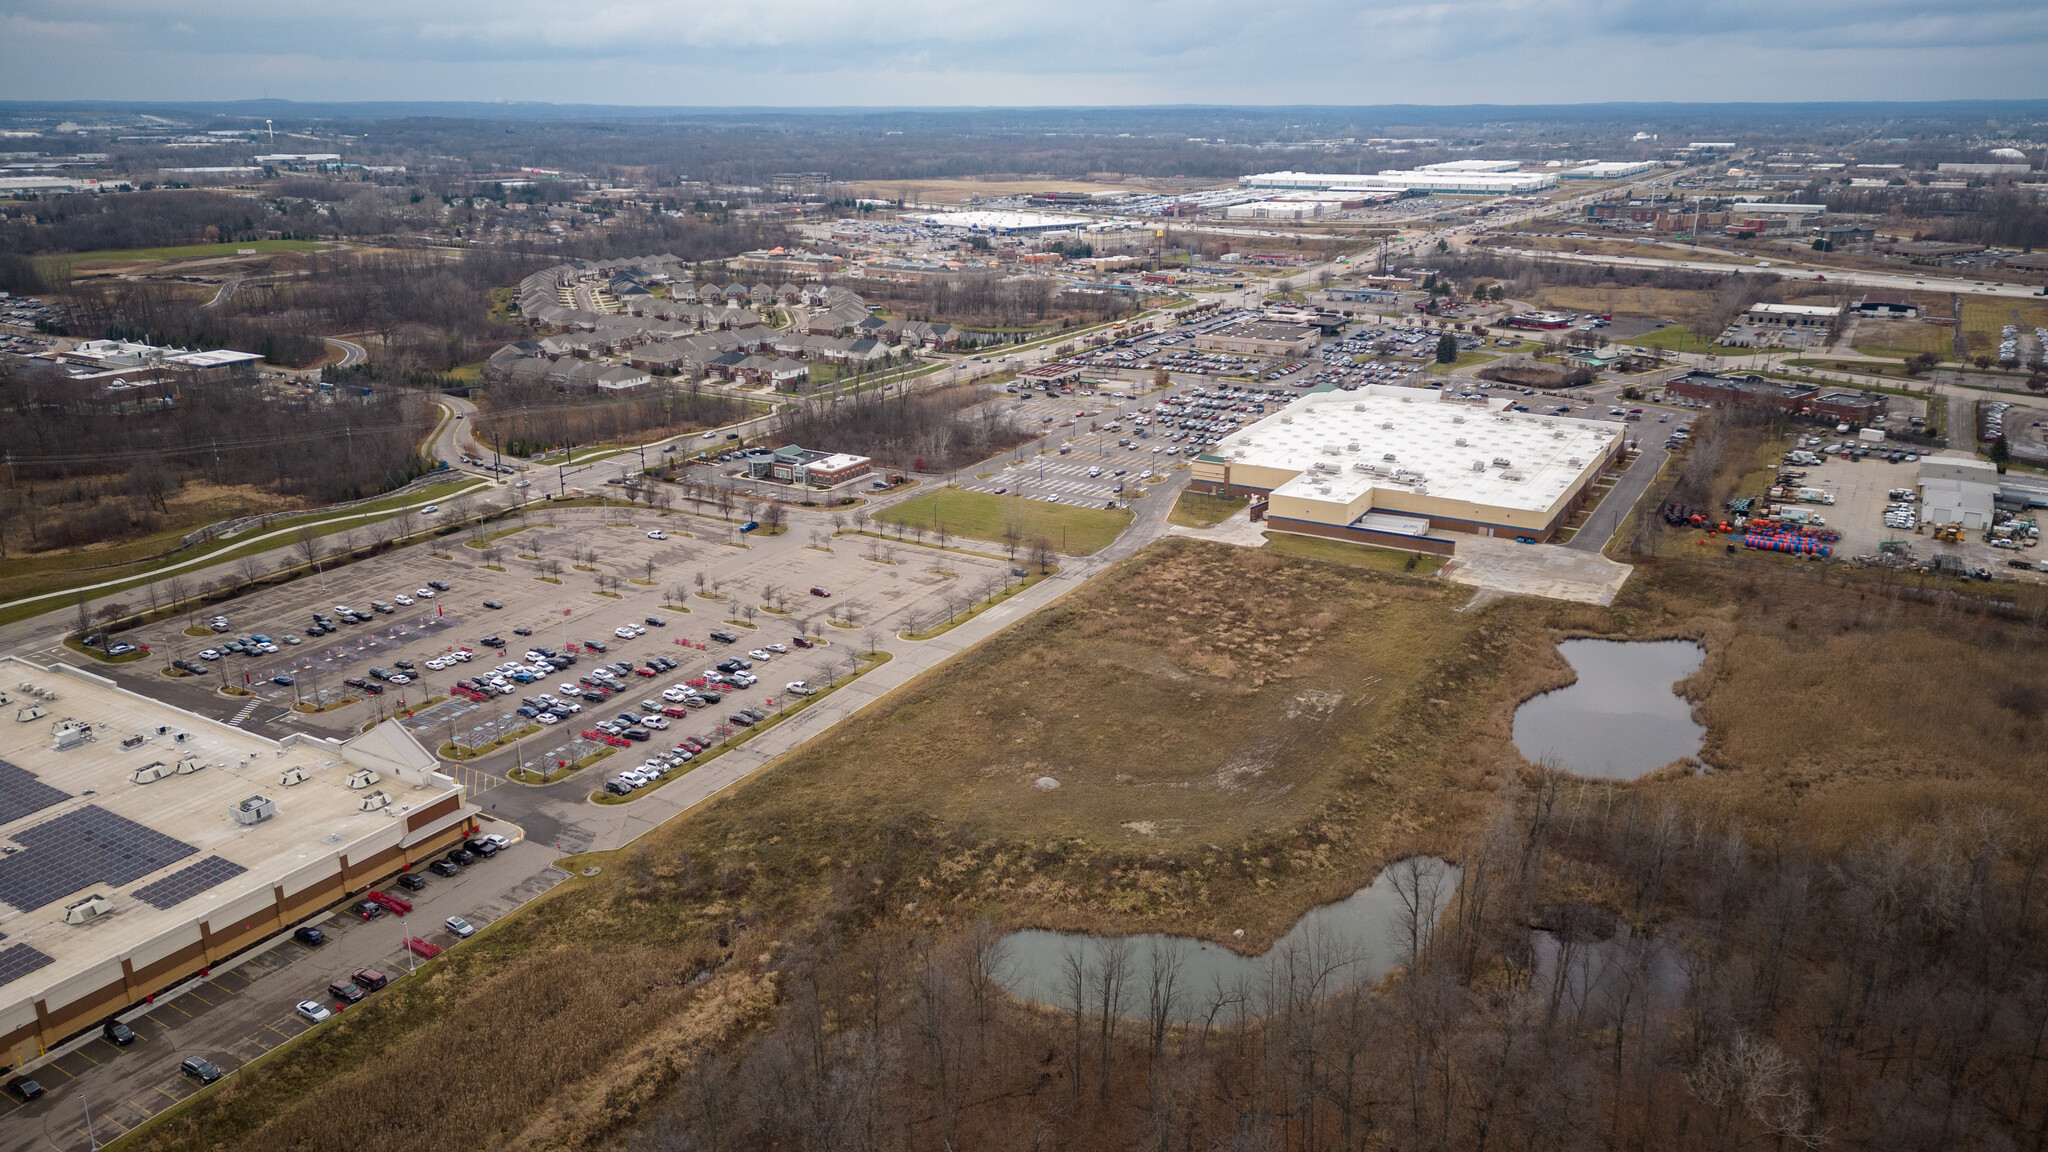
pixel 22 793
pixel 19 960
pixel 80 849
pixel 188 882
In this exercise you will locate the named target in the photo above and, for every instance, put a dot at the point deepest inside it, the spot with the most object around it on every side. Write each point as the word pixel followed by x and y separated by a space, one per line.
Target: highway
pixel 1903 281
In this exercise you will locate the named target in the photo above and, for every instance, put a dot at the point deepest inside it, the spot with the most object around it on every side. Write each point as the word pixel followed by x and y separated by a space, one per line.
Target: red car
pixel 817 591
pixel 643 672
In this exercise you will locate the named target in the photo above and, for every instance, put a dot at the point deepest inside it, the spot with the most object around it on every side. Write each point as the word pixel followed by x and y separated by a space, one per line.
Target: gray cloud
pixel 811 52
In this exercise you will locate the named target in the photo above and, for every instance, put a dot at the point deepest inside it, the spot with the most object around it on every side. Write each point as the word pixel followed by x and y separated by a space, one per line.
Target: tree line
pixel 934 431
pixel 524 417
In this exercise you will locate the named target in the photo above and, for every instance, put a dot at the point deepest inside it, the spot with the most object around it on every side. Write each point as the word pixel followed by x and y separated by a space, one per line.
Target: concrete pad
pixel 1548 570
pixel 1238 530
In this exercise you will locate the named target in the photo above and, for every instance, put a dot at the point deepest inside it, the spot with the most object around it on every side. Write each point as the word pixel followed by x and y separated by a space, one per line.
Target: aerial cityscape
pixel 970 578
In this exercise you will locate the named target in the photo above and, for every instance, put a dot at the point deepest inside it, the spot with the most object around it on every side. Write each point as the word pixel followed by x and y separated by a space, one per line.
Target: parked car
pixel 412 881
pixel 312 1011
pixel 200 1068
pixel 462 929
pixel 444 868
pixel 346 991
pixel 493 605
pixel 24 1089
pixel 117 1033
pixel 310 936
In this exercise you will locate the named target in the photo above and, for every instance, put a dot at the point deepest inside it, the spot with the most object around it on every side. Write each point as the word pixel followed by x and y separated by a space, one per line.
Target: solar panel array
pixel 79 849
pixel 188 882
pixel 21 793
pixel 19 960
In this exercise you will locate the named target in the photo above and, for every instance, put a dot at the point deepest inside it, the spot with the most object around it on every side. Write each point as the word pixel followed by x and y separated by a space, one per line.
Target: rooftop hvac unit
pixel 1501 462
pixel 1557 435
pixel 32 712
pixel 1575 462
pixel 1479 465
pixel 150 773
pixel 1512 475
pixel 1351 447
pixel 130 743
pixel 1460 442
pixel 1361 466
pixel 1330 450
pixel 371 801
pixel 1358 407
pixel 255 810
pixel 190 764
pixel 1325 466
pixel 1386 425
pixel 69 734
pixel 1287 419
pixel 362 778
pixel 1457 419
pixel 292 775
pixel 91 907
pixel 1389 458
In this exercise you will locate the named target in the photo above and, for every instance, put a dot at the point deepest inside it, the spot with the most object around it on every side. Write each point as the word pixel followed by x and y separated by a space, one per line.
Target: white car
pixel 713 435
pixel 674 695
pixel 400 678
pixel 437 663
pixel 778 649
pixel 799 688
pixel 547 718
pixel 430 509
pixel 655 722
pixel 313 1011
pixel 497 841
pixel 424 593
pixel 524 484
pixel 462 929
pixel 403 599
pixel 762 655
pixel 570 689
pixel 623 633
pixel 657 534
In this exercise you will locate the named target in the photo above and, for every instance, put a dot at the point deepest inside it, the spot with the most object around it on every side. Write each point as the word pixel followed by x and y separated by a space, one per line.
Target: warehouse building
pixel 1260 338
pixel 1404 467
pixel 1958 489
pixel 146 844
pixel 1418 180
pixel 1607 170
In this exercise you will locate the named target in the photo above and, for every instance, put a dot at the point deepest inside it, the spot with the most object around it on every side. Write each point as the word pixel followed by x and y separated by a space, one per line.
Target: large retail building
pixel 1404 467
pixel 145 844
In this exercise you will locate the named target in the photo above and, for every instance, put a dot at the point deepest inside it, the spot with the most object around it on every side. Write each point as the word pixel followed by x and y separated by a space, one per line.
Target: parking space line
pixel 279 1031
pixel 60 1068
pixel 94 1063
pixel 167 1095
pixel 194 993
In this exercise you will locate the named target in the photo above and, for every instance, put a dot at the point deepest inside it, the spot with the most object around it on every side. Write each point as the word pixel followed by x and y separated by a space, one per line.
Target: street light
pixel 89 1135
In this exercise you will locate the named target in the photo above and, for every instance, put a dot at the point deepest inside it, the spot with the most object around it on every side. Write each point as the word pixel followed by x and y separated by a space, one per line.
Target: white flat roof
pixel 1384 437
pixel 1796 309
pixel 316 819
pixel 984 221
pixel 837 462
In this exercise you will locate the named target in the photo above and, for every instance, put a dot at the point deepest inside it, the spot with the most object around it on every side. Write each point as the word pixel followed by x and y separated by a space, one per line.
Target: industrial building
pixel 1792 315
pixel 1406 467
pixel 1799 399
pixel 1260 338
pixel 999 223
pixel 1958 489
pixel 1607 170
pixel 145 843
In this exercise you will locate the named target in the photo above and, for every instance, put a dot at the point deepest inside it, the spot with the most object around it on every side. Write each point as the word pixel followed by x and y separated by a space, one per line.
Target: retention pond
pixel 1622 717
pixel 1354 941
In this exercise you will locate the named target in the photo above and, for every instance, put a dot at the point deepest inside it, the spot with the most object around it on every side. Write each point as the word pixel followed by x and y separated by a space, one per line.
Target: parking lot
pixel 242 1011
pixel 1862 488
pixel 767 578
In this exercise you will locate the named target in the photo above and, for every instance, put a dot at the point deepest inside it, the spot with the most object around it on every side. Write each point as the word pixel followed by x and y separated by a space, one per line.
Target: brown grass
pixel 1660 303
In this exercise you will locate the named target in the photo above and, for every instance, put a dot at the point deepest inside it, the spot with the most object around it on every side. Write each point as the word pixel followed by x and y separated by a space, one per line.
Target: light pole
pixel 406 932
pixel 89 1135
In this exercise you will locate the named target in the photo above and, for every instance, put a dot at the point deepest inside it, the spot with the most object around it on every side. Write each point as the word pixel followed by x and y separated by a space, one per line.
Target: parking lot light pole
pixel 91 1138
pixel 407 933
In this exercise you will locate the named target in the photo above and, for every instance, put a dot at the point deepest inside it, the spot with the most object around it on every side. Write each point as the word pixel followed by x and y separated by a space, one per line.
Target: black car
pixel 443 868
pixel 492 642
pixel 522 630
pixel 462 856
pixel 373 689
pixel 657 622
pixel 483 848
pixel 412 881
pixel 725 637
pixel 595 645
pixel 640 735
pixel 310 936
pixel 438 585
pixel 729 665
pixel 741 719
pixel 492 604
pixel 24 1089
pixel 408 665
pixel 118 1033
pixel 709 695
pixel 199 1068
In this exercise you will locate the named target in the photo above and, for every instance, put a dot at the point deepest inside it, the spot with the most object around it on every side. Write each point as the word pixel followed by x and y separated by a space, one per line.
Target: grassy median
pixel 1069 528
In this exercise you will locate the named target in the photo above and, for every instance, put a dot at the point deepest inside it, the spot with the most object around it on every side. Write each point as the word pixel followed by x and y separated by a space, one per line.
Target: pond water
pixel 1621 718
pixel 1356 940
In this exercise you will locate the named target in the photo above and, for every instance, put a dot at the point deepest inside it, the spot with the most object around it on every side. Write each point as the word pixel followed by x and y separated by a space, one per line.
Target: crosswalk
pixel 242 716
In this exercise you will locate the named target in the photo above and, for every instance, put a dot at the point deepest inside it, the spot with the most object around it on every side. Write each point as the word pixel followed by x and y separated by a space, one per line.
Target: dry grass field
pixel 1904 338
pixel 1659 303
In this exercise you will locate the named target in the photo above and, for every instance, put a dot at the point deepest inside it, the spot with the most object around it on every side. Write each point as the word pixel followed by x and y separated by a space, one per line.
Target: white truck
pixel 1814 496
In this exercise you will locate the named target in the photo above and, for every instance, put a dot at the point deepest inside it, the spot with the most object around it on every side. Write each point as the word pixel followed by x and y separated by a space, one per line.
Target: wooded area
pixel 521 418
pixel 934 431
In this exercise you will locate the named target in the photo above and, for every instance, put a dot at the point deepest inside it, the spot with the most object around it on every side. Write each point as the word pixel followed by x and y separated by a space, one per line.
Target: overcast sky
pixel 1007 52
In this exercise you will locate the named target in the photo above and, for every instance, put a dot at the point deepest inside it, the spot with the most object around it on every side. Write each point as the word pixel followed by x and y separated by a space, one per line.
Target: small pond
pixel 1622 717
pixel 1360 938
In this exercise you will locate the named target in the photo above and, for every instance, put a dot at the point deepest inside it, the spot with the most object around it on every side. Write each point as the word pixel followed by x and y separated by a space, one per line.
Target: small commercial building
pixel 1958 489
pixel 791 464
pixel 1260 338
pixel 1051 375
pixel 1821 316
pixel 1887 306
pixel 147 843
pixel 1406 468
pixel 1785 396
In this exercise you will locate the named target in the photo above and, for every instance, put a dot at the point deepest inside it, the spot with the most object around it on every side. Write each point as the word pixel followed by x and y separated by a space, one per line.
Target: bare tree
pixel 748 611
pixel 306 543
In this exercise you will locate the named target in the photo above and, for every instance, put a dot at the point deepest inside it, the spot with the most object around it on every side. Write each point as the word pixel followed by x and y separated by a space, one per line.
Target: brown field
pixel 1238 735
pixel 1904 338
pixel 1659 303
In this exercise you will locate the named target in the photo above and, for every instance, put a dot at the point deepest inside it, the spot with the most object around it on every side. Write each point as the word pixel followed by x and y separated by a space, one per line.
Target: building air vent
pixel 371 801
pixel 1501 462
pixel 1457 419
pixel 189 765
pixel 1325 466
pixel 362 778
pixel 1361 466
pixel 292 775
pixel 1557 435
pixel 1386 425
pixel 1479 465
pixel 90 908
pixel 32 712
pixel 69 733
pixel 1389 458
pixel 1575 462
pixel 150 773
pixel 1460 442
pixel 1512 475
pixel 255 810
pixel 1351 447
